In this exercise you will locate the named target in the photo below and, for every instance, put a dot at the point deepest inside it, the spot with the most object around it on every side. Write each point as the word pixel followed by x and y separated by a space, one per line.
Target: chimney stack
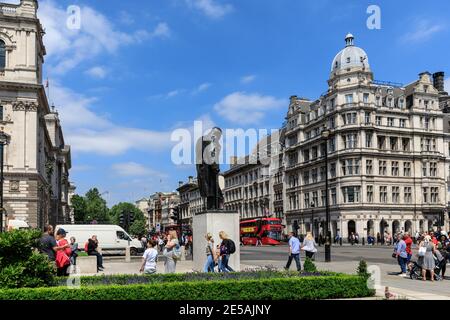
pixel 438 81
pixel 191 179
pixel 180 183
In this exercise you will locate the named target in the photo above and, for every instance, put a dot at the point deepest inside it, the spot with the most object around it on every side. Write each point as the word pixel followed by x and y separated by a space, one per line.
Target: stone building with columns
pixel 386 152
pixel 36 160
pixel 254 184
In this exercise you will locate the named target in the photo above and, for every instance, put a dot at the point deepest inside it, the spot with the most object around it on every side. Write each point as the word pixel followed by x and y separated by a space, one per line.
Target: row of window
pixel 352 194
pixel 352 166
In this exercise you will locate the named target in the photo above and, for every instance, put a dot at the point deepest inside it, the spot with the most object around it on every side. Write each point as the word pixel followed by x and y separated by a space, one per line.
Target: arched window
pixel 2 55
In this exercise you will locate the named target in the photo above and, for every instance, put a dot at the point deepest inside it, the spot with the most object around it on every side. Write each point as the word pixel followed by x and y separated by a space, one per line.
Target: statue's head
pixel 215 134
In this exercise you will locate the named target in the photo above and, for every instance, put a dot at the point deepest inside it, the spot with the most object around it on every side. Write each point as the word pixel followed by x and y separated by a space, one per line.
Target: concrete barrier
pixel 127 254
pixel 86 265
pixel 183 253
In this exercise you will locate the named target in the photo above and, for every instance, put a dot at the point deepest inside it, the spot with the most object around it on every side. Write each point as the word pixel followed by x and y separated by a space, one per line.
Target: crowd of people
pixel 433 252
pixel 64 254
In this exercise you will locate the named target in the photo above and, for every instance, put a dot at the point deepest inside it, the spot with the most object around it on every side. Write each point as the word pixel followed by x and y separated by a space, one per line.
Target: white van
pixel 110 237
pixel 17 225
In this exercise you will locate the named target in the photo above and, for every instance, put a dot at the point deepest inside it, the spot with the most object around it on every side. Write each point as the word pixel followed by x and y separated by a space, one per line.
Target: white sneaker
pixel 402 275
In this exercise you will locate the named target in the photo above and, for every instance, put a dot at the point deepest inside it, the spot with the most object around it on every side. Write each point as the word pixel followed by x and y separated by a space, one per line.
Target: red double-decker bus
pixel 268 229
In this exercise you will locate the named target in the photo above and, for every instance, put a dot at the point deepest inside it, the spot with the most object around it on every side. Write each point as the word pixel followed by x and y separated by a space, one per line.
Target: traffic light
pixel 122 220
pixel 131 218
pixel 175 215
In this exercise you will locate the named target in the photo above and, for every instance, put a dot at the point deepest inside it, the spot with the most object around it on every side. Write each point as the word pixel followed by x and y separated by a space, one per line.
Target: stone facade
pixel 160 206
pixel 388 156
pixel 37 161
pixel 191 202
pixel 386 153
pixel 254 184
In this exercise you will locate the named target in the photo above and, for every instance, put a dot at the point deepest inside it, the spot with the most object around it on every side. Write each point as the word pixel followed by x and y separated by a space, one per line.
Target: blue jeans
pixel 209 264
pixel 296 257
pixel 402 262
pixel 223 264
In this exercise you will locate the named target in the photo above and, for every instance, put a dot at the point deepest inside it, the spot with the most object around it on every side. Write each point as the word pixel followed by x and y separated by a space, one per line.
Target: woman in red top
pixel 63 255
pixel 408 242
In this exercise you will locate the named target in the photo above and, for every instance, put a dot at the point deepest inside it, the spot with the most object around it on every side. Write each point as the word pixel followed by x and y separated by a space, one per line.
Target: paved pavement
pixel 344 259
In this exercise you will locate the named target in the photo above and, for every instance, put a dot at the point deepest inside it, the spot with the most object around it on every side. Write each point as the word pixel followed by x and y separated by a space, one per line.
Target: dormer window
pixel 348 60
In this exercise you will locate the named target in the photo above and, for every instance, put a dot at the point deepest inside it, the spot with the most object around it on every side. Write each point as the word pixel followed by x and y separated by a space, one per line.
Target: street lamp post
pixel 4 140
pixel 325 135
pixel 312 204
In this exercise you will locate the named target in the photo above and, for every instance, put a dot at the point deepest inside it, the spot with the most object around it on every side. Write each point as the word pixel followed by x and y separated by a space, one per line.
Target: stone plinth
pixel 214 222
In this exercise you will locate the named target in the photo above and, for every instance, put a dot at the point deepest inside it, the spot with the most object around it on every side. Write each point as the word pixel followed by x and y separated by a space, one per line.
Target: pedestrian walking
pixel 258 241
pixel 171 252
pixel 210 256
pixel 150 258
pixel 74 248
pixel 400 254
pixel 227 248
pixel 62 256
pixel 309 246
pixel 161 243
pixel 294 252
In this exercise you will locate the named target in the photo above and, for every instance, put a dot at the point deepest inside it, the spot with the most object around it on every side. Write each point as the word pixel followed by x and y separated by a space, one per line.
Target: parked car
pixel 110 237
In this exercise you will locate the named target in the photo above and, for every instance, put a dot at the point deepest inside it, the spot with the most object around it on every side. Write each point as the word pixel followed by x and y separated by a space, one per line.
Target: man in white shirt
pixel 150 258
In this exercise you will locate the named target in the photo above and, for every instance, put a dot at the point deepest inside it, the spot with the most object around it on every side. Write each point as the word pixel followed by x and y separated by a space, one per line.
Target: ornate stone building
pixel 254 184
pixel 386 153
pixel 37 160
pixel 190 200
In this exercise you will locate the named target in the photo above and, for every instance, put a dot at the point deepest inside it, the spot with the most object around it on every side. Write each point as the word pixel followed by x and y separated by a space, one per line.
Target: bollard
pixel 363 243
pixel 183 253
pixel 127 254
pixel 340 241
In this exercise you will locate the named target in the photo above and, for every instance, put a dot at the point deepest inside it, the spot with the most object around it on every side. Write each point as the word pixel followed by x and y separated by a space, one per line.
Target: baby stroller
pixel 416 269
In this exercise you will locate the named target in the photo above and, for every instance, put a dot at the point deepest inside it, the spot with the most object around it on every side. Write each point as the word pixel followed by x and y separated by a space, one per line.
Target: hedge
pixel 294 288
pixel 188 277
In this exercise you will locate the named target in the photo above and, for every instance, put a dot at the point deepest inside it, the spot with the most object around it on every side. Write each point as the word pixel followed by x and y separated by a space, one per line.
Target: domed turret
pixel 350 57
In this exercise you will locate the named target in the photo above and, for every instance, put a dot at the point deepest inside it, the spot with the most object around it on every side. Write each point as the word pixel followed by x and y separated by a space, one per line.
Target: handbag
pixel 422 251
pixel 394 255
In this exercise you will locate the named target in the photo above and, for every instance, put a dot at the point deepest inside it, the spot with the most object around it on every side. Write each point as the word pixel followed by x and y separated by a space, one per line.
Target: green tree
pixel 80 208
pixel 139 219
pixel 96 208
pixel 138 228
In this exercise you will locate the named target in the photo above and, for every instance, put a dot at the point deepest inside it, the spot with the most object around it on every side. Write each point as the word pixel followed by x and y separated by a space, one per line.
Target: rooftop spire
pixel 349 40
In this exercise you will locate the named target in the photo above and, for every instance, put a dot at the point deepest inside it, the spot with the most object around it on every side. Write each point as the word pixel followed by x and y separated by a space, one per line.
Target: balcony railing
pixel 5 9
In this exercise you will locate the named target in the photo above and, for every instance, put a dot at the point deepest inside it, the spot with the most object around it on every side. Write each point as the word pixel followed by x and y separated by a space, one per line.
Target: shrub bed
pixel 188 277
pixel 289 288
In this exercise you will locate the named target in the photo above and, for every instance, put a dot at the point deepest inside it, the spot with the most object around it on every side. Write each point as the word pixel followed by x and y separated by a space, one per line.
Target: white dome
pixel 350 56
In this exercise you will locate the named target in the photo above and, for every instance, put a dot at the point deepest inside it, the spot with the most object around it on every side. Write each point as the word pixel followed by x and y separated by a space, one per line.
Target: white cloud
pixel 174 93
pixel 447 85
pixel 97 72
pixel 242 108
pixel 424 30
pixel 211 8
pixel 201 88
pixel 68 48
pixel 133 169
pixel 88 131
pixel 248 79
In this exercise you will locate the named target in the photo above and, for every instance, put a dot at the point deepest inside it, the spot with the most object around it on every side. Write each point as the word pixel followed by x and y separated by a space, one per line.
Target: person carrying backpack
pixel 227 248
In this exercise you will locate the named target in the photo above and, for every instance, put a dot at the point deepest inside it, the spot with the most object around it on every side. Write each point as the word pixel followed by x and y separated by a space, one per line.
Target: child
pixel 150 258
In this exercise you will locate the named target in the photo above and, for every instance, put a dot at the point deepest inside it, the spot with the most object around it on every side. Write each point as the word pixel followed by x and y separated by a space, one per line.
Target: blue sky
pixel 136 70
